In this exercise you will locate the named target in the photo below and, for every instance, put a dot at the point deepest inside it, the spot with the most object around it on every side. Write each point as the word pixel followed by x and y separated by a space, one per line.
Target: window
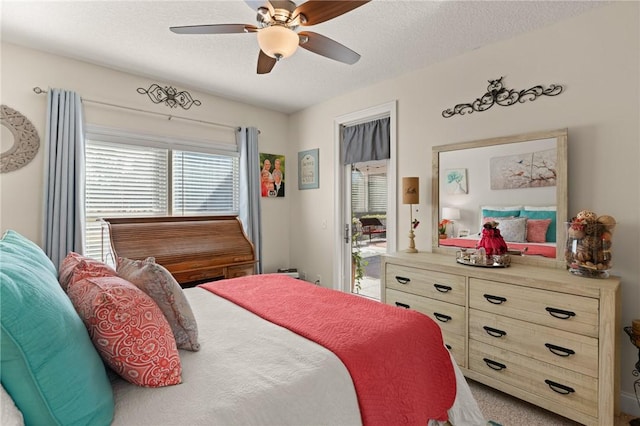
pixel 129 175
pixel 369 187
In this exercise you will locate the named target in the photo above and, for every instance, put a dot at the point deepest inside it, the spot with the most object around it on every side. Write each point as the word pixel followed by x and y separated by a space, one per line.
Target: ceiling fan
pixel 277 22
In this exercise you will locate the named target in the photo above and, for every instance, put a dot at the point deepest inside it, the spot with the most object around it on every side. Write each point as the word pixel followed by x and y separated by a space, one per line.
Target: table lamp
pixel 451 214
pixel 411 196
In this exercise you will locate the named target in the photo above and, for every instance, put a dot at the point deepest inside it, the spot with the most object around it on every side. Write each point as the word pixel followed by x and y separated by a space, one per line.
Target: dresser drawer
pixel 564 349
pixel 576 391
pixel 435 285
pixel 568 312
pixel 456 345
pixel 448 316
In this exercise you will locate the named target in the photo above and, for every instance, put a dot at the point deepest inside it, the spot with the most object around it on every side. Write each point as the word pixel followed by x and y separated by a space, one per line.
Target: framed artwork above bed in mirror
pixel 519 181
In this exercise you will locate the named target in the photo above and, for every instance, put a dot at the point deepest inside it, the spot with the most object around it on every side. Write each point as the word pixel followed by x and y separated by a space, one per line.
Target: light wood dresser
pixel 539 334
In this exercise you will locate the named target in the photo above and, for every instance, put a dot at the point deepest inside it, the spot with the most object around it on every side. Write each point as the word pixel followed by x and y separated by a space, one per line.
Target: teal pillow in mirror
pixel 48 363
pixel 500 213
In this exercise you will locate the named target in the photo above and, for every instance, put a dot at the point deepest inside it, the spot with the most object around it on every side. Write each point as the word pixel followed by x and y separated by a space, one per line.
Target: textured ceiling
pixel 393 37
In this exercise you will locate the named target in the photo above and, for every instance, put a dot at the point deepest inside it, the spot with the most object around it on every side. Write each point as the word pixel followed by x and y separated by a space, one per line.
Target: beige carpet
pixel 509 411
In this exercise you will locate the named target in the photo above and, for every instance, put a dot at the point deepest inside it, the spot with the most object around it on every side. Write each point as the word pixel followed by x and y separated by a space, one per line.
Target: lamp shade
pixel 450 213
pixel 278 41
pixel 410 190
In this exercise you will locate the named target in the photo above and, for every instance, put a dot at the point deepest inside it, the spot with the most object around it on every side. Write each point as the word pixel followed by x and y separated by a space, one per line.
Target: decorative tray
pixel 480 259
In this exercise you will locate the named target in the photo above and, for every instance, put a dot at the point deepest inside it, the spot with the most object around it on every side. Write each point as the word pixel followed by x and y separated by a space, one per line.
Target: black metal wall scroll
pixel 498 94
pixel 170 96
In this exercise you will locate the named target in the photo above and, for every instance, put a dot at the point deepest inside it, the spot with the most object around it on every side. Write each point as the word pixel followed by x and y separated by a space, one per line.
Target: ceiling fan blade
pixel 265 63
pixel 317 11
pixel 324 46
pixel 214 29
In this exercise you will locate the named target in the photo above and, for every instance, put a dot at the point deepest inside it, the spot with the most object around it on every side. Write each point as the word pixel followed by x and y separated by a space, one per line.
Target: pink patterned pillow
pixel 156 281
pixel 76 267
pixel 128 330
pixel 537 230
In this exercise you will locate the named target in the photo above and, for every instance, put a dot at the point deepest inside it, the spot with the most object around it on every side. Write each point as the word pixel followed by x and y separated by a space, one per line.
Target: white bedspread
pixel 252 372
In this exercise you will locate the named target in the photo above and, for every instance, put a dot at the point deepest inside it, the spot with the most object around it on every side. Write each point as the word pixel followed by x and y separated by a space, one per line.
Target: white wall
pixel 594 56
pixel 22 69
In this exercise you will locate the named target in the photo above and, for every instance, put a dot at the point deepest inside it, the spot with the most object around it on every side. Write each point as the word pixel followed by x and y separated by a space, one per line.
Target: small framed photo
pixel 463 233
pixel 308 177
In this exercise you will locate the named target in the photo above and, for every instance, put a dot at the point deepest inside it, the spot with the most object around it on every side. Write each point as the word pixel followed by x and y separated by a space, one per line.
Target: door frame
pixel 342 269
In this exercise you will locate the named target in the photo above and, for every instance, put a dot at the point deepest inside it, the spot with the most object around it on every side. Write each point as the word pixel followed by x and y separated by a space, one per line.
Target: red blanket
pixel 532 248
pixel 400 368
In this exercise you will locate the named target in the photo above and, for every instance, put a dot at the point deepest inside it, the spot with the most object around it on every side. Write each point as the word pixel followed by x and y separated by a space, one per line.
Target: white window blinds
pixel 205 183
pixel 123 179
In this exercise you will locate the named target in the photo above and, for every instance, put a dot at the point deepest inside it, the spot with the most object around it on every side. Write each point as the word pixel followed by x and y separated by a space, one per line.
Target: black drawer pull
pixel 448 346
pixel 559 350
pixel 442 288
pixel 559 313
pixel 496 300
pixel 403 280
pixel 494 365
pixel 558 388
pixel 494 331
pixel 442 317
pixel 402 305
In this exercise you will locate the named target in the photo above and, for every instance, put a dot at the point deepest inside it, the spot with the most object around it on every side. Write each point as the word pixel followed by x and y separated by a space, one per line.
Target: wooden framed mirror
pixel 519 180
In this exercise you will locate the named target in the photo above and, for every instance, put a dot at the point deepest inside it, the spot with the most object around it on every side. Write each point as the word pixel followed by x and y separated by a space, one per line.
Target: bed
pixel 529 249
pixel 249 370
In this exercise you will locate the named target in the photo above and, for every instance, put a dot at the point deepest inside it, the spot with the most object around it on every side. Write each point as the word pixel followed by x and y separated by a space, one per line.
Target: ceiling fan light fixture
pixel 278 41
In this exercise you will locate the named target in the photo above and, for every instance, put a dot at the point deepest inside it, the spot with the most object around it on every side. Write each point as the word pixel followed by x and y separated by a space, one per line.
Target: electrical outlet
pixel 303 275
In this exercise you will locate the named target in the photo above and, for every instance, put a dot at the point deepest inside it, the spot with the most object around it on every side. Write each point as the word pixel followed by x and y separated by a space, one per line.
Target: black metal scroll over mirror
pixel 500 95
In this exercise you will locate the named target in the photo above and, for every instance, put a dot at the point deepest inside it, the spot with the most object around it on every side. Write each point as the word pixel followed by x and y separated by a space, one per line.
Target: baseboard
pixel 629 404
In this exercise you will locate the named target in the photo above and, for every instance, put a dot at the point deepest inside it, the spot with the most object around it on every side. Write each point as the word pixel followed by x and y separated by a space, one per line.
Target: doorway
pixel 350 192
pixel 368 212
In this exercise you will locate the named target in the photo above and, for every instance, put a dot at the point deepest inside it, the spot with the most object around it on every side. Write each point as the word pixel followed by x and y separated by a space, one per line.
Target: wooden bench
pixel 194 249
pixel 372 226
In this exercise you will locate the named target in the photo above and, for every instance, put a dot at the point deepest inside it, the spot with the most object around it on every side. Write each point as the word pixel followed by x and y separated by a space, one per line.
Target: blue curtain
pixel 247 138
pixel 63 176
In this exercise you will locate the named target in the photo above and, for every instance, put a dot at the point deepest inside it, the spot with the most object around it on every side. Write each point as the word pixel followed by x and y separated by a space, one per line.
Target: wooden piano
pixel 195 249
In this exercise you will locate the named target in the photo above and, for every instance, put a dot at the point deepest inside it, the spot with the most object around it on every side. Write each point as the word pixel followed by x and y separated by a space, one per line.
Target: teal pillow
pixel 543 214
pixel 47 361
pixel 500 213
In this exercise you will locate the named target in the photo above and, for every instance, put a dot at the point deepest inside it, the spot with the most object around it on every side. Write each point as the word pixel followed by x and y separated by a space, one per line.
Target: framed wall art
pixel 308 162
pixel 456 181
pixel 272 175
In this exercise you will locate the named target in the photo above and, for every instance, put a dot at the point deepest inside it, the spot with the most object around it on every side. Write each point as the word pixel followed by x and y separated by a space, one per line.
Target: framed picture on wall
pixel 456 181
pixel 272 175
pixel 308 162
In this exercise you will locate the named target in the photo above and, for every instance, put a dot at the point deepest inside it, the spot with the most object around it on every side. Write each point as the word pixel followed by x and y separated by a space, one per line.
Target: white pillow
pixel 513 230
pixel 540 208
pixel 10 415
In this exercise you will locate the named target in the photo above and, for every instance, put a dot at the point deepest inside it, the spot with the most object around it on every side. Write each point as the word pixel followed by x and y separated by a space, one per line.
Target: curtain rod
pixel 39 91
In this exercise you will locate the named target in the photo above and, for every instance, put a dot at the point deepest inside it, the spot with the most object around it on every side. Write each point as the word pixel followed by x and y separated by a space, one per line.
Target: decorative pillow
pixel 158 283
pixel 500 213
pixel 48 364
pixel 513 230
pixel 502 208
pixel 76 267
pixel 128 329
pixel 543 214
pixel 9 413
pixel 537 230
pixel 539 208
pixel 496 219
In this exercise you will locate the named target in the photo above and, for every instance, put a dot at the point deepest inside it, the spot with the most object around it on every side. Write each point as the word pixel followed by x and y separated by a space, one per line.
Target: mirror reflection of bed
pixel 517 181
